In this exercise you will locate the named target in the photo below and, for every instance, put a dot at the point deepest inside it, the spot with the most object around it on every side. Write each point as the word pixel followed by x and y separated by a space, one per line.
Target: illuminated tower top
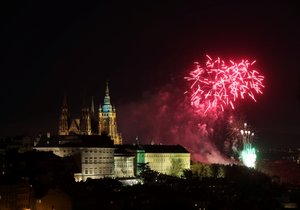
pixel 108 119
pixel 64 119
pixel 92 108
pixel 107 107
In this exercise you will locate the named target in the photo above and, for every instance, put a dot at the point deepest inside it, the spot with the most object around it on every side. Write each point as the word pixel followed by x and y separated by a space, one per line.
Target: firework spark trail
pixel 248 156
pixel 169 119
pixel 218 85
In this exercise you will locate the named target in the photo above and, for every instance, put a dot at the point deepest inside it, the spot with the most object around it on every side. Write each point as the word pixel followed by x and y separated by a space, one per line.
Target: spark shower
pixel 219 84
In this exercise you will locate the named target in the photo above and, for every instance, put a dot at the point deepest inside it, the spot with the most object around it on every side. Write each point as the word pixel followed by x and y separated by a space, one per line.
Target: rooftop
pixel 75 141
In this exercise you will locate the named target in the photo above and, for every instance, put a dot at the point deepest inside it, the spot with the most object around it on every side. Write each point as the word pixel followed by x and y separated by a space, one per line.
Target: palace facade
pixel 98 146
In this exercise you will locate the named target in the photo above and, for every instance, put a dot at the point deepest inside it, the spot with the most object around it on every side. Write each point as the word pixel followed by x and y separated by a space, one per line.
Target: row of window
pixel 95 158
pixel 100 151
pixel 86 151
pixel 102 159
pixel 98 162
pixel 122 165
pixel 68 151
pixel 105 114
pixel 94 171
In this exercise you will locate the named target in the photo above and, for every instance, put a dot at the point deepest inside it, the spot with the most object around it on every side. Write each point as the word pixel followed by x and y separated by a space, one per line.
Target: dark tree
pixel 146 173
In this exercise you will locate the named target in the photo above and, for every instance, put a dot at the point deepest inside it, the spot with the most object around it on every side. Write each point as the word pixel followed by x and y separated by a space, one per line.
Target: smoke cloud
pixel 166 117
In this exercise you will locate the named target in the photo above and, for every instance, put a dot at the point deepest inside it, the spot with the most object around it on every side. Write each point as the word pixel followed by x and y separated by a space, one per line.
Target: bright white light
pixel 249 157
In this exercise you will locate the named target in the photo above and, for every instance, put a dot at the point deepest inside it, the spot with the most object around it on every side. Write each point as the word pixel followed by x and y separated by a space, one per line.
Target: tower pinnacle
pixel 92 107
pixel 64 119
pixel 107 107
pixel 107 89
pixel 108 120
pixel 65 101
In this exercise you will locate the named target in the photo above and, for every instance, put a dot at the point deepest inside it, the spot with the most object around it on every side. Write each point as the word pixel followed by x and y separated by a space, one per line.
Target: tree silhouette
pixel 146 173
pixel 176 167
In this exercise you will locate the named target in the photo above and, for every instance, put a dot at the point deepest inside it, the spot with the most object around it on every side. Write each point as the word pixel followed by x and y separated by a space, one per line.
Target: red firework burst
pixel 220 84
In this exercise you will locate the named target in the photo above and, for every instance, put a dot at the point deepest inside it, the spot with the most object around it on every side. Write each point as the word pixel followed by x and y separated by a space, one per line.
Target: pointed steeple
pixel 92 107
pixel 107 89
pixel 85 119
pixel 107 122
pixel 92 113
pixel 107 107
pixel 107 97
pixel 64 119
pixel 94 121
pixel 65 101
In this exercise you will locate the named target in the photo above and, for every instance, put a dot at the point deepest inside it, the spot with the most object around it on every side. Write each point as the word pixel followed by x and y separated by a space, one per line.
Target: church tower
pixel 108 119
pixel 85 121
pixel 64 119
pixel 94 119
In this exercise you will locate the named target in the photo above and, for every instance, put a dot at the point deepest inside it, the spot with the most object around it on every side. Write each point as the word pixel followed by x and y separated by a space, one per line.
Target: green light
pixel 248 156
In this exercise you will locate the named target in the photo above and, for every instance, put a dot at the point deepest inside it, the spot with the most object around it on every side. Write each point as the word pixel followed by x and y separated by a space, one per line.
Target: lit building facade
pixel 168 163
pixel 95 140
pixel 99 157
pixel 88 123
pixel 95 153
pixel 124 164
pixel 165 159
pixel 108 119
pixel 96 163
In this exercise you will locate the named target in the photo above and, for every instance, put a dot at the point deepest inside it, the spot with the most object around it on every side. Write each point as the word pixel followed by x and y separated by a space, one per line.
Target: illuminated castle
pixel 96 143
pixel 88 124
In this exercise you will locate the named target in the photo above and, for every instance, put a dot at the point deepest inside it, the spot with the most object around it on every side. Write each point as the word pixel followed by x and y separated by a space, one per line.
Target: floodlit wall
pixel 124 166
pixel 97 163
pixel 168 163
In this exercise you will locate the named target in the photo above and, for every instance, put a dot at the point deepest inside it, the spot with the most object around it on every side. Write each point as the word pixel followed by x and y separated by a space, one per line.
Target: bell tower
pixel 85 121
pixel 108 119
pixel 64 119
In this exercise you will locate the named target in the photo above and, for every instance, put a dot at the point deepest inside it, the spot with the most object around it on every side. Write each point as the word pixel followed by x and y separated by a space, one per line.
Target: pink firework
pixel 220 84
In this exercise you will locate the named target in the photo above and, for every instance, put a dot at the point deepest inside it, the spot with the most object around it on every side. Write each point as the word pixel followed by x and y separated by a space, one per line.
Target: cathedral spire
pixel 64 119
pixel 107 107
pixel 107 122
pixel 107 89
pixel 85 120
pixel 65 105
pixel 107 97
pixel 92 108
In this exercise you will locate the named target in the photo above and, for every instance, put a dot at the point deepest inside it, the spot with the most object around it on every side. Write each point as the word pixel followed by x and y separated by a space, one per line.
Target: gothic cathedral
pixel 88 124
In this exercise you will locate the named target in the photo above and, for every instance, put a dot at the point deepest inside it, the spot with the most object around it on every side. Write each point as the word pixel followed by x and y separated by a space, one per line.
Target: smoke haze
pixel 166 117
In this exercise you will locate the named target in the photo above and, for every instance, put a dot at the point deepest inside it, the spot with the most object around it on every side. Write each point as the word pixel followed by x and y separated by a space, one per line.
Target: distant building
pixel 99 148
pixel 124 163
pixel 16 196
pixel 99 157
pixel 165 159
pixel 96 153
pixel 89 123
pixel 17 143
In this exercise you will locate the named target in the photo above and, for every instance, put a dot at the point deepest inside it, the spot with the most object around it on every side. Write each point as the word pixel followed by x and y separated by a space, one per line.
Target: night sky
pixel 51 47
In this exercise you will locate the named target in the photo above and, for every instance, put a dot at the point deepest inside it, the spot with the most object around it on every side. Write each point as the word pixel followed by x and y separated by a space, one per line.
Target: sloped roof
pixel 74 127
pixel 154 148
pixel 76 141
